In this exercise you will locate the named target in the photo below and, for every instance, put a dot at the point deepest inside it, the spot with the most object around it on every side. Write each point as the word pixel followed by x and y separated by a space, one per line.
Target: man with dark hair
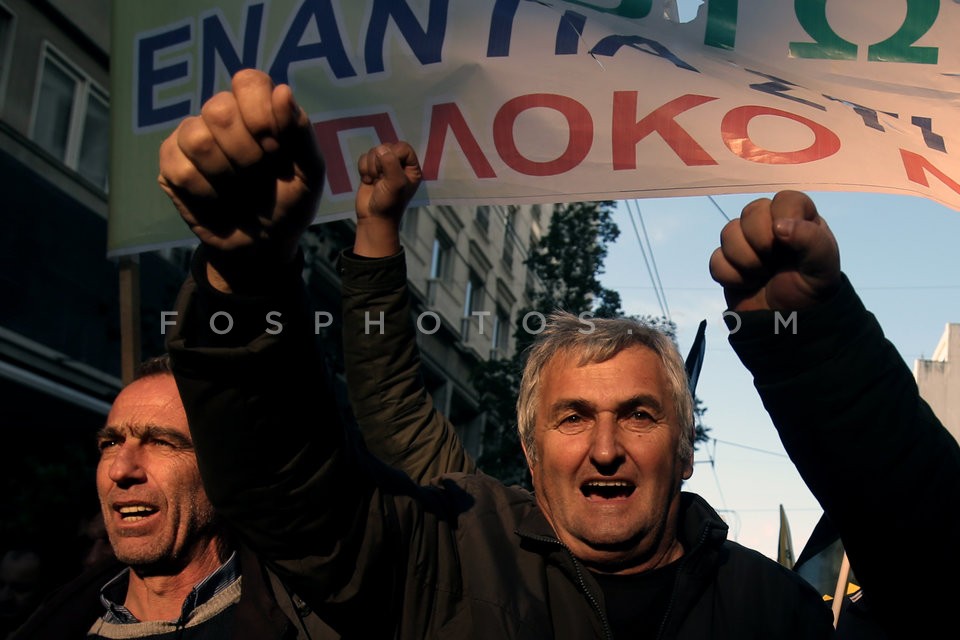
pixel 177 571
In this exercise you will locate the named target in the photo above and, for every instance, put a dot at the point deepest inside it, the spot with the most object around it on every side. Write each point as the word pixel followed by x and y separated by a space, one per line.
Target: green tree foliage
pixel 567 262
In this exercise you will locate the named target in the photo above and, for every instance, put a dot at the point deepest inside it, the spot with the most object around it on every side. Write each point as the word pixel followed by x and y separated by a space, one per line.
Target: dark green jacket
pixel 379 556
pixel 884 468
pixel 390 402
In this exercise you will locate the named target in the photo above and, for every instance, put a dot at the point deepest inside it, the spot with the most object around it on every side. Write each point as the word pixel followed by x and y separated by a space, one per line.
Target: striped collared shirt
pixel 115 592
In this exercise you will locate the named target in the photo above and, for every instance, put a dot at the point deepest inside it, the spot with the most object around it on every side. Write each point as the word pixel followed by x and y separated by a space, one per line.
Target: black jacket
pixel 886 471
pixel 462 557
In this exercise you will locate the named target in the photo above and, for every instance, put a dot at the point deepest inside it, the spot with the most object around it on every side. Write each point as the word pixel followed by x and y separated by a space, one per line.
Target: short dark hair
pixel 158 365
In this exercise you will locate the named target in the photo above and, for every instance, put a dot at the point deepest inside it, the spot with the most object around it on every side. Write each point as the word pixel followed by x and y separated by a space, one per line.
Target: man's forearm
pixel 396 415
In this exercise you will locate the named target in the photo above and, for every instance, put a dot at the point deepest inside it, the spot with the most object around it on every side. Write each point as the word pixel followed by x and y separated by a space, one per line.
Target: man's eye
pixel 573 424
pixel 639 420
pixel 106 444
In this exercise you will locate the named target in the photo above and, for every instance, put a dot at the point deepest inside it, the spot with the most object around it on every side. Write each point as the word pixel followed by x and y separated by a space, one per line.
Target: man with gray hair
pixel 608 546
pixel 597 340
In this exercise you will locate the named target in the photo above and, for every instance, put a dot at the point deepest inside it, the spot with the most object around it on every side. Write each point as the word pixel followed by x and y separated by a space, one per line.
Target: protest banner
pixel 528 101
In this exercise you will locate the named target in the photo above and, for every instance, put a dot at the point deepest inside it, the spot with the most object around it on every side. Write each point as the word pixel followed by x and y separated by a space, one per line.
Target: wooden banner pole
pixel 129 316
pixel 841 591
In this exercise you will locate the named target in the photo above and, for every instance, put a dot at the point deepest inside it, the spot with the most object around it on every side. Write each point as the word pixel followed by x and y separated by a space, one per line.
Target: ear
pixel 687 468
pixel 526 454
pixel 529 457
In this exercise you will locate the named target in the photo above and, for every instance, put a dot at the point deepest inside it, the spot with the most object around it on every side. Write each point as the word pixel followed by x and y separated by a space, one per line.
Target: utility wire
pixel 725 216
pixel 653 260
pixel 712 460
pixel 743 446
pixel 643 252
pixel 713 468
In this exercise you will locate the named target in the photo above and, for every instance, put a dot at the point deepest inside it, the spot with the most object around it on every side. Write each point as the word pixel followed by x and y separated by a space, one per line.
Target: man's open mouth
pixel 132 513
pixel 607 489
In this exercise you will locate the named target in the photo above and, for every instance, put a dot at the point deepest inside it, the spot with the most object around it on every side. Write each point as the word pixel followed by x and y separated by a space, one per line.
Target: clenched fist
pixel 245 174
pixel 779 255
pixel 389 177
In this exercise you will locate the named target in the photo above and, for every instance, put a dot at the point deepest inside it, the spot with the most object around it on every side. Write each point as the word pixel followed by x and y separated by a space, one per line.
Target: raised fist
pixel 245 174
pixel 779 254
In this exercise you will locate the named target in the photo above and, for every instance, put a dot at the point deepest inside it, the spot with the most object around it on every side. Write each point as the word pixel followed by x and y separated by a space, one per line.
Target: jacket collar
pixel 699 525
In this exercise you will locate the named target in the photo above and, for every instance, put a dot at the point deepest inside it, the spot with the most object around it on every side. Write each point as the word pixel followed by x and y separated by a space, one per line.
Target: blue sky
pixel 900 253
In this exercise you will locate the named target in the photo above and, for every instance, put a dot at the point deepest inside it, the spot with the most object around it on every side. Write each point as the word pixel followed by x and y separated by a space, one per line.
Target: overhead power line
pixel 743 446
pixel 725 216
pixel 653 261
pixel 651 270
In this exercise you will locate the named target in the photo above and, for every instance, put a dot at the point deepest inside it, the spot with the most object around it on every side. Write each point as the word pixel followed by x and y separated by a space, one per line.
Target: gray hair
pixel 597 340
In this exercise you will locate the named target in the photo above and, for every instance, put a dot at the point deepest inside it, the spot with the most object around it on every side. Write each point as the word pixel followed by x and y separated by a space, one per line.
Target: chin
pixel 140 557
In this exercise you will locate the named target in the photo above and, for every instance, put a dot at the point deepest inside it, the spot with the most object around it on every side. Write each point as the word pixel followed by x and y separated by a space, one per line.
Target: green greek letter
pixel 812 15
pixel 921 14
pixel 721 24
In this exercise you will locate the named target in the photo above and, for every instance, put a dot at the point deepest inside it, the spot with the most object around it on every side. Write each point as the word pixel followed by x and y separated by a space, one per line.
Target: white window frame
pixel 475 293
pixel 509 220
pixel 441 257
pixel 86 87
pixel 501 332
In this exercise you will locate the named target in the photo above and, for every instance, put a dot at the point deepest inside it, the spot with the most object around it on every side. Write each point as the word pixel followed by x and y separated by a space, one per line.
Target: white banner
pixel 529 101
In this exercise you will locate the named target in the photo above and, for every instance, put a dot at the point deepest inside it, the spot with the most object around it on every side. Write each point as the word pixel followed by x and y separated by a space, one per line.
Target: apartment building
pixel 466 269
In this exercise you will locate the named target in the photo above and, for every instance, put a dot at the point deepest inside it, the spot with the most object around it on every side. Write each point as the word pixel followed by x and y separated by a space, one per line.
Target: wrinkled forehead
pixel 151 401
pixel 147 431
pixel 587 353
pixel 632 368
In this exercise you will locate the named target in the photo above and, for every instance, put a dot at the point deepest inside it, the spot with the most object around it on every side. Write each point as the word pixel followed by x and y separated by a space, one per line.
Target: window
pixel 508 236
pixel 483 218
pixel 442 257
pixel 6 44
pixel 473 301
pixel 408 223
pixel 501 333
pixel 71 119
pixel 94 155
pixel 531 281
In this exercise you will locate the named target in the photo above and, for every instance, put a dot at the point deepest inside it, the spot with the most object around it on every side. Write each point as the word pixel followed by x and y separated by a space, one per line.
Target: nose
pixel 606 448
pixel 126 468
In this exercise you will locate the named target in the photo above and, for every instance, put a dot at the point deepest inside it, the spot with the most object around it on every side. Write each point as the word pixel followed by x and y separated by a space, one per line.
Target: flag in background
pixel 821 559
pixel 785 550
pixel 694 361
pixel 823 564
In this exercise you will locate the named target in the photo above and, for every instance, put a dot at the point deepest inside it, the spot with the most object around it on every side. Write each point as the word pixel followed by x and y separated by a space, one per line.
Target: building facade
pixel 939 379
pixel 59 293
pixel 466 271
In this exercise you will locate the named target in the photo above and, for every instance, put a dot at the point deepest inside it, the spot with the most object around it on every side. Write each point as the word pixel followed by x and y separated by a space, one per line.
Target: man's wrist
pixel 248 271
pixel 377 237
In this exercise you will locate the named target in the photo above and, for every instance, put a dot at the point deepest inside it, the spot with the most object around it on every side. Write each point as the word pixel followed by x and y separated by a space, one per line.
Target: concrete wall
pixel 939 379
